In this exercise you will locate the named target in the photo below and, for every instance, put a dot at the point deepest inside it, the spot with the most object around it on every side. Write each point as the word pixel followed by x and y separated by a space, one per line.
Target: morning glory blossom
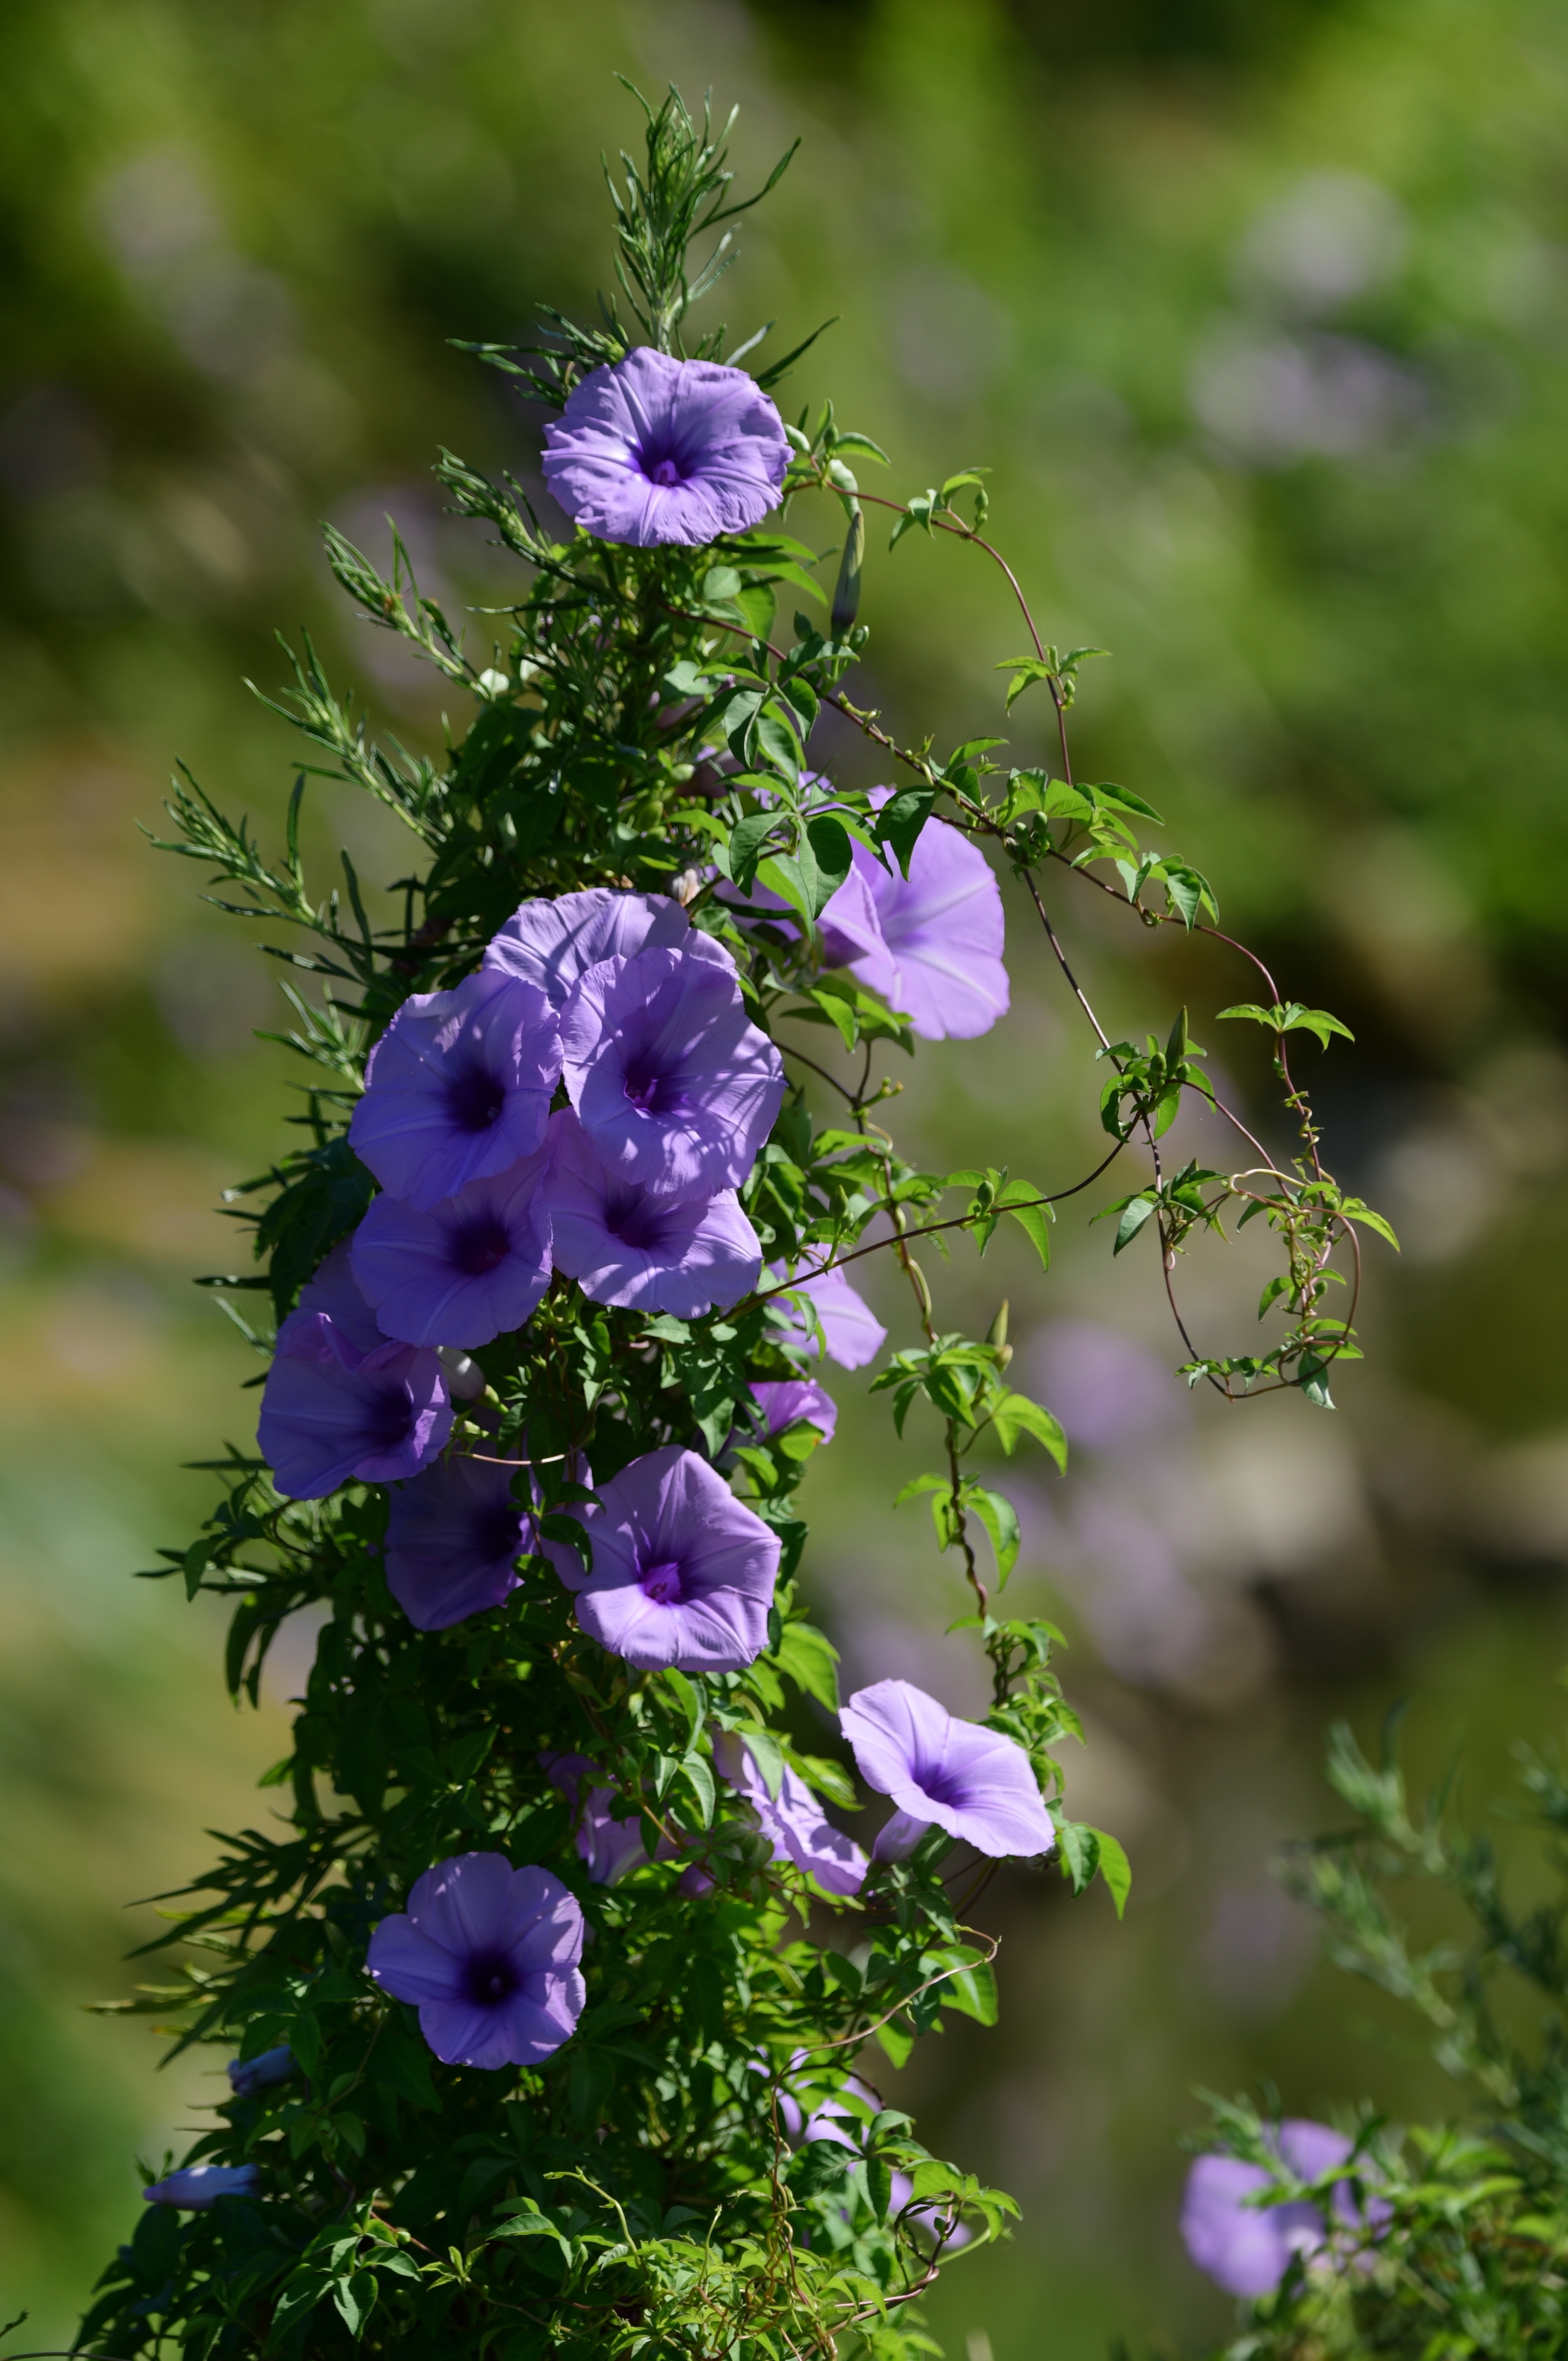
pixel 675 1086
pixel 793 1820
pixel 676 1255
pixel 489 1954
pixel 1247 2248
pixel 943 1773
pixel 459 1087
pixel 196 2186
pixel 929 943
pixel 262 2072
pixel 682 1572
pixel 342 1399
pixel 454 1535
pixel 551 942
pixel 608 1842
pixel 850 1329
pixel 470 1269
pixel 783 1400
pixel 651 449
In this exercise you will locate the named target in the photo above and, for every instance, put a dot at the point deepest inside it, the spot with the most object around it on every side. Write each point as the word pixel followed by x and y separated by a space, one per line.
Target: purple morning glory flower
pixel 781 1400
pixel 682 1572
pixel 943 1773
pixel 467 1271
pixel 196 2186
pixel 1247 2248
pixel 263 2072
pixel 850 1329
pixel 608 1845
pixel 453 1535
pixel 459 1087
pixel 490 1955
pixel 342 1399
pixel 931 943
pixel 679 1254
pixel 793 1821
pixel 674 1085
pixel 651 449
pixel 551 943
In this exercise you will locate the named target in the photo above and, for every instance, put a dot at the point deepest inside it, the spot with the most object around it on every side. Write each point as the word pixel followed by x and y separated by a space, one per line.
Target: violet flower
pixel 679 1254
pixel 1248 2249
pixel 342 1399
pixel 488 1954
pixel 263 2072
pixel 850 1329
pixel 471 1268
pixel 943 1773
pixel 783 1400
pixel 551 943
pixel 606 1844
pixel 454 1535
pixel 793 1821
pixel 195 2187
pixel 931 943
pixel 459 1087
pixel 675 1086
pixel 682 1572
pixel 651 449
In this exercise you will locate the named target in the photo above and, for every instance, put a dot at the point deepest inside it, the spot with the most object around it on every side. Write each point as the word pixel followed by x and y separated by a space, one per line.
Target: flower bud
pixel 847 593
pixel 249 2075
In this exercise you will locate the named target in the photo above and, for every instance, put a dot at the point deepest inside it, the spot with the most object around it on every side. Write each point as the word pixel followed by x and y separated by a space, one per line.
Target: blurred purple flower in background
pixel 607 1845
pixel 781 1400
pixel 459 1087
pixel 676 1255
pixel 850 1329
pixel 943 1773
pixel 929 943
pixel 682 1572
pixel 550 944
pixel 342 1399
pixel 675 1086
pixel 1247 2248
pixel 471 1268
pixel 793 1820
pixel 197 2186
pixel 489 1954
pixel 651 449
pixel 453 1537
pixel 263 2072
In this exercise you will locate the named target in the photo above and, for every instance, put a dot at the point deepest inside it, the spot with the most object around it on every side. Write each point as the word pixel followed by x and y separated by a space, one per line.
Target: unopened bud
pixel 847 593
pixel 464 1377
pixel 997 1332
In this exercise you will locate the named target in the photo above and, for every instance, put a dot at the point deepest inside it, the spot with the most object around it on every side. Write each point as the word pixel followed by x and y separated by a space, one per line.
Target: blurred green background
pixel 1258 310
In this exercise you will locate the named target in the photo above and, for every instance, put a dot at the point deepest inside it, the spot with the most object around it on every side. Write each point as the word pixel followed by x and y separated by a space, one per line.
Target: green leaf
pixel 897 2041
pixel 354 2299
pixel 693 1704
pixel 1134 1216
pixel 768 1755
pixel 1259 1014
pixel 1353 1209
pixel 809 1658
pixel 699 1779
pixel 999 1517
pixel 1080 1849
pixel 901 820
pixel 1035 1220
pixel 1115 1868
pixel 1025 671
pixel 1017 1415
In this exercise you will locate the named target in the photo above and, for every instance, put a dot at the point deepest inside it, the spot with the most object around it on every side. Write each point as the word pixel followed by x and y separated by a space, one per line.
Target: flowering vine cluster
pixel 555 2000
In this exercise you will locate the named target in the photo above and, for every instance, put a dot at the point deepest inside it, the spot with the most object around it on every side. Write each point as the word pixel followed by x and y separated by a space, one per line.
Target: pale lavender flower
pixel 651 449
pixel 850 1329
pixel 551 943
pixel 195 2187
pixel 678 1254
pixel 490 1954
pixel 943 1773
pixel 929 943
pixel 675 1086
pixel 781 1400
pixel 454 1535
pixel 262 2072
pixel 459 1087
pixel 470 1269
pixel 682 1572
pixel 793 1820
pixel 342 1399
pixel 1248 2249
pixel 607 1842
